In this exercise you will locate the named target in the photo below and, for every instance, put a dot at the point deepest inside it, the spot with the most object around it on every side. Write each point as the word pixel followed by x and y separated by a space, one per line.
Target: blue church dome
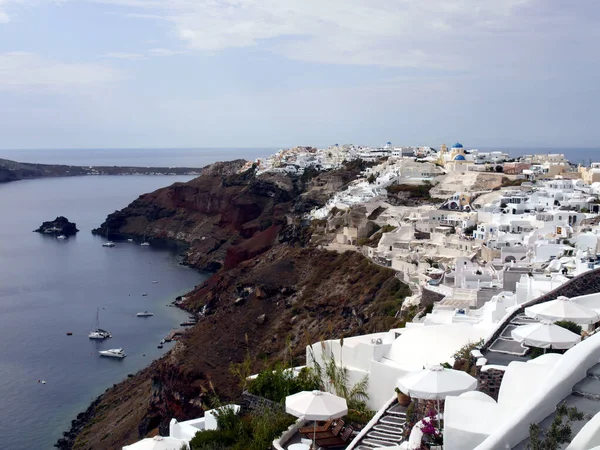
pixel 459 158
pixel 388 143
pixel 457 145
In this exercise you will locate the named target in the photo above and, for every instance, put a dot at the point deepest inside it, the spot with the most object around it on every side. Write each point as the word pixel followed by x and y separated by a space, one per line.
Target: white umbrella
pixel 563 309
pixel 436 383
pixel 157 443
pixel 316 405
pixel 545 335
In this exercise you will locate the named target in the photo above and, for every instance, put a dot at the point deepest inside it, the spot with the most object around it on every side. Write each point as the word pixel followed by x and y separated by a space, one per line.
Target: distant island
pixel 14 171
pixel 59 226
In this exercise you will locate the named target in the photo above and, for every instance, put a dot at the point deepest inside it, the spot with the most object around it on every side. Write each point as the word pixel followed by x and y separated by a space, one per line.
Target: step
pixel 376 443
pixel 588 387
pixel 397 409
pixel 395 439
pixel 585 405
pixel 364 447
pixel 388 429
pixel 396 413
pixel 594 372
pixel 390 420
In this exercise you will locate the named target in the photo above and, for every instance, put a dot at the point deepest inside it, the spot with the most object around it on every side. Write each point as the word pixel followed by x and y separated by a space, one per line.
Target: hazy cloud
pixel 406 33
pixel 165 52
pixel 120 55
pixel 29 70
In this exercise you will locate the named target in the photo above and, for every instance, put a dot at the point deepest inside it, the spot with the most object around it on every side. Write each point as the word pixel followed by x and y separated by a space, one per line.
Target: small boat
pixel 69 333
pixel 187 324
pixel 159 346
pixel 98 332
pixel 144 314
pixel 144 294
pixel 108 242
pixel 62 237
pixel 113 353
pixel 129 240
pixel 154 282
pixel 145 244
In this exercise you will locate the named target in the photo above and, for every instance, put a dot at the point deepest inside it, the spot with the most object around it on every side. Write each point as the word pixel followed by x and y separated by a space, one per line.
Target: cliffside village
pixel 484 241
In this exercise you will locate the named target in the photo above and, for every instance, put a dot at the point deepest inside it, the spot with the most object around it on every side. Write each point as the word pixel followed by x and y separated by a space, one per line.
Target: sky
pixel 277 73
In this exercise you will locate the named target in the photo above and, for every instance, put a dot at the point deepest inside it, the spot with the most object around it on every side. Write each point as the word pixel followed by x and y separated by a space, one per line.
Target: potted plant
pixel 403 399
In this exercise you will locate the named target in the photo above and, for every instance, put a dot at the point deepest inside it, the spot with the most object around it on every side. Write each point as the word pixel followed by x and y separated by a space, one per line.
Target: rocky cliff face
pixel 273 295
pixel 266 307
pixel 224 216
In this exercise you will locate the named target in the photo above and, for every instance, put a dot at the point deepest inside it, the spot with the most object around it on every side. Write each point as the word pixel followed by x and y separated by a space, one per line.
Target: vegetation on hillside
pixel 255 431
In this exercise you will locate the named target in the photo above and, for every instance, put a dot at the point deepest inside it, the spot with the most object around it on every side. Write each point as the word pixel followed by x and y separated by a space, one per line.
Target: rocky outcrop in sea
pixel 58 226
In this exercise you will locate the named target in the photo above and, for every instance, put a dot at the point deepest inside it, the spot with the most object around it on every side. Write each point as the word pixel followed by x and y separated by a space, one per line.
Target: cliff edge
pixel 273 294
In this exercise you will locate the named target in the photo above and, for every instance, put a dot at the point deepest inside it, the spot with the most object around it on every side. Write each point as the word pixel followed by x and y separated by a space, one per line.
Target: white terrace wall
pixel 571 369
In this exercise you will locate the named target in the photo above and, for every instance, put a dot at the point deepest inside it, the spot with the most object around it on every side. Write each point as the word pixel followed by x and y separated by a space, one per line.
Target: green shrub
pixel 228 419
pixel 358 417
pixel 278 381
pixel 213 440
pixel 253 432
pixel 264 428
pixel 559 432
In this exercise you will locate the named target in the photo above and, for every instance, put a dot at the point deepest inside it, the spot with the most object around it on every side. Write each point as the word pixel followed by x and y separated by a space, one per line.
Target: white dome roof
pixel 476 395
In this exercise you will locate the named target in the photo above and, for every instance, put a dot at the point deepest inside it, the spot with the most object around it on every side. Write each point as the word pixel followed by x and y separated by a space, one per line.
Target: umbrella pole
pixel 438 415
pixel 315 436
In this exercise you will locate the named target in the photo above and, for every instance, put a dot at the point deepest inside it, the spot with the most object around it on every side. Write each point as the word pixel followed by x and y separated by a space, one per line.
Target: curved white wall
pixel 571 369
pixel 588 437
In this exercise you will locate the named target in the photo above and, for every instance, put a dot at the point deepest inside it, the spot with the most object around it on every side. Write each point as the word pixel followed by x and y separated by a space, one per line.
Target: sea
pixel 50 287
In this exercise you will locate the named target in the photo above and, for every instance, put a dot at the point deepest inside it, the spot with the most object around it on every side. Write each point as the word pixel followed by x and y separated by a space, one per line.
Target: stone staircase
pixel 387 432
pixel 585 397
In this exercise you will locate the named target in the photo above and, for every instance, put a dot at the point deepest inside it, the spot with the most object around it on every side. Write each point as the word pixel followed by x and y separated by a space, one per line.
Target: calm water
pixel 49 287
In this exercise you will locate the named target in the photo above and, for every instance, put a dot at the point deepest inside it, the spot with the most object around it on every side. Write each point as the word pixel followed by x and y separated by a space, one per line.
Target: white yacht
pixel 98 332
pixel 108 242
pixel 113 353
pixel 145 244
pixel 62 237
pixel 145 314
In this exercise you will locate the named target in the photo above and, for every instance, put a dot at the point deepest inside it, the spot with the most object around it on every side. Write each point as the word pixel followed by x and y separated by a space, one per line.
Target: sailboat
pixel 98 332
pixel 144 242
pixel 108 242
